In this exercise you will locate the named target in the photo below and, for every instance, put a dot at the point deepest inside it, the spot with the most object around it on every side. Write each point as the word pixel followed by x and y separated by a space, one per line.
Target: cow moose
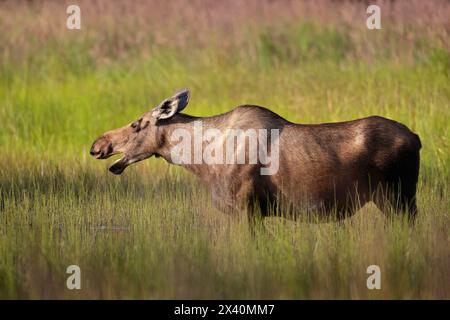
pixel 329 169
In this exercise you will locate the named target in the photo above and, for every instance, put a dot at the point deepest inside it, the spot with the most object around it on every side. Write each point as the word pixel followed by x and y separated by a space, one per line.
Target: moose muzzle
pixel 102 148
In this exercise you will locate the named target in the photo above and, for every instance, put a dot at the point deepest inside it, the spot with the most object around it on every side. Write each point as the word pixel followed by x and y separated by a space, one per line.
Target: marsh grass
pixel 153 232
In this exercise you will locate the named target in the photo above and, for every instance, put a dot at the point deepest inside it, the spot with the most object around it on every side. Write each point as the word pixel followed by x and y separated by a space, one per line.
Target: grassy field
pixel 153 232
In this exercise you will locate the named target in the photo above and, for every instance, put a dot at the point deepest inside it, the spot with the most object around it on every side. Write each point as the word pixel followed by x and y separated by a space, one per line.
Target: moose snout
pixel 102 148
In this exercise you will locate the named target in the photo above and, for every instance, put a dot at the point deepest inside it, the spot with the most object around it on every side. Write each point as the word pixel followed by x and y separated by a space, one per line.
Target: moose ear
pixel 170 106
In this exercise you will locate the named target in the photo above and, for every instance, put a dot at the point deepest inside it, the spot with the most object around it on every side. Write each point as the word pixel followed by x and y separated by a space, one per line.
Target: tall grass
pixel 153 233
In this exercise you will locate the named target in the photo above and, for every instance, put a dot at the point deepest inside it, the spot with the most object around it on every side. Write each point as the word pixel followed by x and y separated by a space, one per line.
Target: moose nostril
pixel 93 152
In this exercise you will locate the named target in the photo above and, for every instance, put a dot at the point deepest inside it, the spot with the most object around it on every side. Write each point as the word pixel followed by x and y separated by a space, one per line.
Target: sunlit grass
pixel 153 232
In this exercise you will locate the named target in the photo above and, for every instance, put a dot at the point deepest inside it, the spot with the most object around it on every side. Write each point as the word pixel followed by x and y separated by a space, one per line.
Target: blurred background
pixel 309 61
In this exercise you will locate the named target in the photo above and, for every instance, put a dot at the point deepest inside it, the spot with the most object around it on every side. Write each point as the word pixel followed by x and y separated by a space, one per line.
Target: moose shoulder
pixel 252 156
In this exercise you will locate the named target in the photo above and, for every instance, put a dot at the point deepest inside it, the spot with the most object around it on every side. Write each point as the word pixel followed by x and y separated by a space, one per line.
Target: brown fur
pixel 323 169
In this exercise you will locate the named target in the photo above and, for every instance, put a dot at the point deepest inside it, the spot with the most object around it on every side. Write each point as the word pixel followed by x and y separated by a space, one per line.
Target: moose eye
pixel 135 125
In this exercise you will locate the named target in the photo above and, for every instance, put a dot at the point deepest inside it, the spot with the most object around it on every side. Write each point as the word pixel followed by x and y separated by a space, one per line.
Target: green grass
pixel 153 233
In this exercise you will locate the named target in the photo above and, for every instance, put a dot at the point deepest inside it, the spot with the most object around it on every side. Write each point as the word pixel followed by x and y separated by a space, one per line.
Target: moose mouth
pixel 119 166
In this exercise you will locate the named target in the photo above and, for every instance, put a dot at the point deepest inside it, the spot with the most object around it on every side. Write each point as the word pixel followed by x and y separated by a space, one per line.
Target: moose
pixel 329 169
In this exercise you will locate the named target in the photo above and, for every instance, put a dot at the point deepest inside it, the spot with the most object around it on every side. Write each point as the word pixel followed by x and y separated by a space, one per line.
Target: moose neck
pixel 184 127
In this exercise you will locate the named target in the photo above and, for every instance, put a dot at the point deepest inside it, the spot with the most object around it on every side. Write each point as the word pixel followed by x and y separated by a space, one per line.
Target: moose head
pixel 138 140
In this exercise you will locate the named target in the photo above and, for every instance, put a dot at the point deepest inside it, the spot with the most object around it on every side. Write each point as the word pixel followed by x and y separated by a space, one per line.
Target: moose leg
pixel 397 198
pixel 239 204
pixel 239 200
pixel 223 200
pixel 406 191
pixel 255 215
pixel 408 205
pixel 251 207
pixel 407 187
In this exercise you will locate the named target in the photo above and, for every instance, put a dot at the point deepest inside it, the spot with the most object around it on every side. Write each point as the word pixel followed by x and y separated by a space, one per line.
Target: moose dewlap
pixel 253 160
